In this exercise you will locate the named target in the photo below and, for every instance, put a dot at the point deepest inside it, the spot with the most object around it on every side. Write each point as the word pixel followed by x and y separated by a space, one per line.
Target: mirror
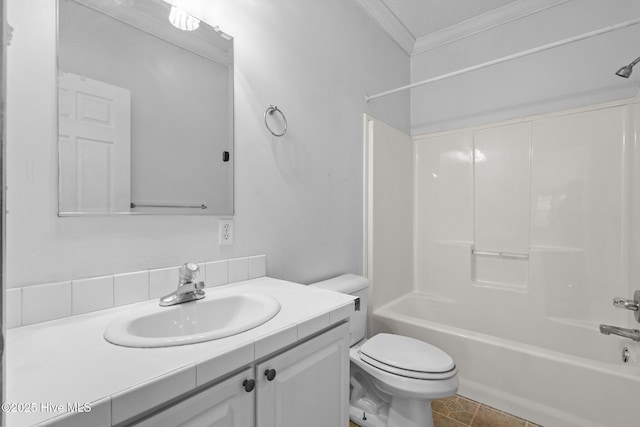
pixel 145 110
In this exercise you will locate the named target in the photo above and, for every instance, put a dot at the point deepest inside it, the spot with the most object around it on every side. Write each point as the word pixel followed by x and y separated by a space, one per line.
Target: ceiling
pixel 424 17
pixel 420 25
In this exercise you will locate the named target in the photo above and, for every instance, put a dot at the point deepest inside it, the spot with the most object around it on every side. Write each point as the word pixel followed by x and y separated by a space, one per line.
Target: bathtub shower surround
pixel 524 232
pixel 540 220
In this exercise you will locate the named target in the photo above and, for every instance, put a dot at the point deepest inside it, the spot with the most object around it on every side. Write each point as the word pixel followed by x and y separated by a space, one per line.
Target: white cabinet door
pixel 226 404
pixel 307 385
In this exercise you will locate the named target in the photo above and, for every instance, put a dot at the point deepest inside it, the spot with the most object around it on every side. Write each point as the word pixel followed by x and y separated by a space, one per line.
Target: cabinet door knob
pixel 270 374
pixel 249 385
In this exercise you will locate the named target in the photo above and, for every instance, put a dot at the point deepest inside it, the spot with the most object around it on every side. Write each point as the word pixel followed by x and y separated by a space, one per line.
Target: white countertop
pixel 68 361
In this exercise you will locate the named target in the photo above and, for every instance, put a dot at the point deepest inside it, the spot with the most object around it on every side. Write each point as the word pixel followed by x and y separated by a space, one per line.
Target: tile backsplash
pixel 40 303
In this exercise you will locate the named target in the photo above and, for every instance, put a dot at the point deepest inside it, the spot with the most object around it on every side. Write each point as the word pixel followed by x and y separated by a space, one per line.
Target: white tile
pixel 92 294
pixel 238 269
pixel 13 306
pixel 219 366
pixel 46 302
pixel 257 266
pixel 276 341
pixel 163 281
pixel 217 273
pixel 130 287
pixel 341 313
pixel 99 415
pixel 315 324
pixel 141 398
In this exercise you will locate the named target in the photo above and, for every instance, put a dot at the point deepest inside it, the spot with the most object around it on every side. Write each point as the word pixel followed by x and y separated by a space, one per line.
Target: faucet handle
pixel 198 285
pixel 629 304
pixel 188 272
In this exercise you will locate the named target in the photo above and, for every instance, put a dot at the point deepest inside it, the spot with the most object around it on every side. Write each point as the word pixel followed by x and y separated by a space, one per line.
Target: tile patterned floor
pixel 458 411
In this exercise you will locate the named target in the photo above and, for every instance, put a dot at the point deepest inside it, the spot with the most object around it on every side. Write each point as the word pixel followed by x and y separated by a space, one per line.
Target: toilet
pixel 393 378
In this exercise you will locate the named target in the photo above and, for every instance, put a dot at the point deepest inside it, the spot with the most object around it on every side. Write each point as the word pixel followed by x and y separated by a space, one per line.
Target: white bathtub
pixel 548 371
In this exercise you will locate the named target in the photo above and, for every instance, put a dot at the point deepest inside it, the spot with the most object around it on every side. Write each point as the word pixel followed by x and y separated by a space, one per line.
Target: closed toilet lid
pixel 403 355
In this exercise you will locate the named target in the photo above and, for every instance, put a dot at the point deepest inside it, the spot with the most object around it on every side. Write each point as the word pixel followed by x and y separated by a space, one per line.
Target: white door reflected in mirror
pixel 94 145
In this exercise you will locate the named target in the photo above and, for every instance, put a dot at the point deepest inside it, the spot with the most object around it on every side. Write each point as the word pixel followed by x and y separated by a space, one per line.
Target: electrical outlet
pixel 225 232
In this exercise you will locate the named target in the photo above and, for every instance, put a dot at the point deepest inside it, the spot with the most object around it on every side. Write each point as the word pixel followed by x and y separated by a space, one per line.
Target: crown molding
pixel 381 15
pixel 484 22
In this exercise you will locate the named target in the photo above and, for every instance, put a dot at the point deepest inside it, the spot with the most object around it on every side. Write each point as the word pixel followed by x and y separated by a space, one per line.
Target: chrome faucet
pixel 630 304
pixel 633 334
pixel 188 288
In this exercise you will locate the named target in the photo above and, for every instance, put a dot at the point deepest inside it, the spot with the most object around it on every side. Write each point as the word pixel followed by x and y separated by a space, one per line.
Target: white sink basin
pixel 216 316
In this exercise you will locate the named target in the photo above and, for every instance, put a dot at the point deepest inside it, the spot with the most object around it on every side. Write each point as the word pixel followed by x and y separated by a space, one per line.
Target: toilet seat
pixel 407 357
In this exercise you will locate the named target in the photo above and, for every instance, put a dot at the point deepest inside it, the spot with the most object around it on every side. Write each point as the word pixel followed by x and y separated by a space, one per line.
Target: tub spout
pixel 633 334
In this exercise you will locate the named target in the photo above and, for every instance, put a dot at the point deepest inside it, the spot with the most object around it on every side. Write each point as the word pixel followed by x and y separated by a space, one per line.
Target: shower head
pixel 627 69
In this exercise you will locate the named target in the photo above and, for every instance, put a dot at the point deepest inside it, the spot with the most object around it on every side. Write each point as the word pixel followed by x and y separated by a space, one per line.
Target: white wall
pixel 570 76
pixel 298 198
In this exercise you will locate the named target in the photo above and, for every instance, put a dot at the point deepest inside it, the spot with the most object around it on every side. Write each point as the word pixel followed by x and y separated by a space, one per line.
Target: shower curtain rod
pixel 509 57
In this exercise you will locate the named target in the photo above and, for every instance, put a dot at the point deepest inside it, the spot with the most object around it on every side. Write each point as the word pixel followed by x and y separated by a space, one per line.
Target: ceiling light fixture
pixel 182 20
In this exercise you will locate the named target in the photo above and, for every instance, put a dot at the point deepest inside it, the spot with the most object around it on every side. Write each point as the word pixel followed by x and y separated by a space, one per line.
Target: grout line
pixel 475 413
pixel 457 422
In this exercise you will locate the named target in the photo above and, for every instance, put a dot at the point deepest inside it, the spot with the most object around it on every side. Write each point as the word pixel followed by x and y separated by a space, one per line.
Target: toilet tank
pixel 355 285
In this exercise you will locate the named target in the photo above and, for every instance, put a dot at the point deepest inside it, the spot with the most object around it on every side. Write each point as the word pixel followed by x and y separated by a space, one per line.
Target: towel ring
pixel 270 110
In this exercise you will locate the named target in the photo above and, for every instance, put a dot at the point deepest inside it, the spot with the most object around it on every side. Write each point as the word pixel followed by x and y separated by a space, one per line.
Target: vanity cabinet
pixel 226 404
pixel 305 385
